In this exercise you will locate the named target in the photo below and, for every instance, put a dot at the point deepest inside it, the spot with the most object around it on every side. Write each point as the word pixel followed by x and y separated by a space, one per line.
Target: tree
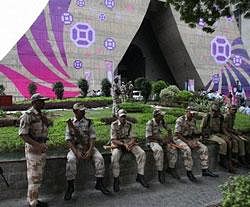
pixel 138 83
pixel 192 11
pixel 58 88
pixel 106 87
pixel 32 88
pixel 2 89
pixel 146 89
pixel 158 86
pixel 84 86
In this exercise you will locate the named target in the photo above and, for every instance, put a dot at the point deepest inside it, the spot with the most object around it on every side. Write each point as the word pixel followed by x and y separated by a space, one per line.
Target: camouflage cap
pixel 38 96
pixel 79 106
pixel 157 112
pixel 121 113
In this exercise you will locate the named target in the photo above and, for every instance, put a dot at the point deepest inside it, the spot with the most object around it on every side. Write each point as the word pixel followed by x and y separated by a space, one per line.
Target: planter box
pixel 5 100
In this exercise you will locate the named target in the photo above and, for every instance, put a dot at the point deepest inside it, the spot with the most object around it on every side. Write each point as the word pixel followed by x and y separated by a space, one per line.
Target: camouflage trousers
pixel 115 107
pixel 158 154
pixel 140 157
pixel 237 145
pixel 187 153
pixel 72 163
pixel 35 167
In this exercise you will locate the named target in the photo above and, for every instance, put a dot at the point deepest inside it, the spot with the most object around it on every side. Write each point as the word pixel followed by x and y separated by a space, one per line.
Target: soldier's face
pixel 79 114
pixel 39 104
pixel 122 119
pixel 158 118
pixel 189 115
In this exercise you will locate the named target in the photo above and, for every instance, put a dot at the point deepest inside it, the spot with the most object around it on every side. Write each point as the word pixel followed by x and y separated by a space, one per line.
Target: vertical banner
pixel 109 70
pixel 191 85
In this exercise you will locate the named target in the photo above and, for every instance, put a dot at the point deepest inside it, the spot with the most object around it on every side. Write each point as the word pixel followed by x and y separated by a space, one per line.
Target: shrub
pixel 2 89
pixel 58 88
pixel 201 104
pixel 106 87
pixel 136 107
pixel 184 95
pixel 2 113
pixel 235 192
pixel 158 86
pixel 32 88
pixel 138 83
pixel 146 90
pixel 84 86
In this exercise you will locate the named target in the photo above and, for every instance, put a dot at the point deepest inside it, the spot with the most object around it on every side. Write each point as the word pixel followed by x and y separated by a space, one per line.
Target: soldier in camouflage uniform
pixel 116 92
pixel 154 127
pixel 34 131
pixel 212 130
pixel 123 140
pixel 186 138
pixel 130 89
pixel 80 136
pixel 123 92
pixel 231 133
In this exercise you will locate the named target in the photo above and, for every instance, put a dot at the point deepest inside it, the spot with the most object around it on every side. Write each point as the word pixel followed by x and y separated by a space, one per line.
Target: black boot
pixel 99 186
pixel 70 190
pixel 191 176
pixel 223 161
pixel 116 185
pixel 207 172
pixel 140 179
pixel 161 177
pixel 173 172
pixel 243 162
pixel 41 204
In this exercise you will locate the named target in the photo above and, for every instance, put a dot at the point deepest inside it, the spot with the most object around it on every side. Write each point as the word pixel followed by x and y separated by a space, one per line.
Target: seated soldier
pixel 187 138
pixel 80 136
pixel 154 127
pixel 212 130
pixel 231 133
pixel 123 140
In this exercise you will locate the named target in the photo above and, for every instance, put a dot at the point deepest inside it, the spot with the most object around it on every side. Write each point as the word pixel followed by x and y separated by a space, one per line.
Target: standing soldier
pixel 130 90
pixel 155 142
pixel 123 140
pixel 34 131
pixel 186 138
pixel 123 91
pixel 80 136
pixel 116 92
pixel 229 131
pixel 212 130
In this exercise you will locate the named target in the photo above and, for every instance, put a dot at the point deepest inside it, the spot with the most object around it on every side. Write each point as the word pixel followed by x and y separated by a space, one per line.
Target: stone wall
pixel 55 181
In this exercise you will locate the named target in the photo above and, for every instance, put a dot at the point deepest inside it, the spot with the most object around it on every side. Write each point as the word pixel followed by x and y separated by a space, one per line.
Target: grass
pixel 10 141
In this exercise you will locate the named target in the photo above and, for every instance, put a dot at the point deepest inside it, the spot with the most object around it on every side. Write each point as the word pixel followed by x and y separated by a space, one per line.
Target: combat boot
pixel 70 190
pixel 161 177
pixel 243 162
pixel 191 176
pixel 173 173
pixel 41 204
pixel 116 185
pixel 231 169
pixel 207 172
pixel 140 179
pixel 99 186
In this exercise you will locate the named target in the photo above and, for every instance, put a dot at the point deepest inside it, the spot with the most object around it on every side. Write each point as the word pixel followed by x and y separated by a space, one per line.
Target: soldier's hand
pixel 44 147
pixel 39 148
pixel 79 155
pixel 87 154
pixel 127 147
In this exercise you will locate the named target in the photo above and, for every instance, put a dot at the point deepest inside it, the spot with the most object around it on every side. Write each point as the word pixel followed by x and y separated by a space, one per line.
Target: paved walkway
pixel 173 194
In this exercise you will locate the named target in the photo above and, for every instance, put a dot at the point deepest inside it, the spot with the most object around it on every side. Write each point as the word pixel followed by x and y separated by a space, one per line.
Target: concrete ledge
pixel 54 178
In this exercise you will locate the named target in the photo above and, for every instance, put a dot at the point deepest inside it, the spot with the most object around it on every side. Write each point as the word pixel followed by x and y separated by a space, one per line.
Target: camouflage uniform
pixel 238 143
pixel 187 129
pixel 31 124
pixel 116 98
pixel 130 90
pixel 154 130
pixel 123 92
pixel 124 133
pixel 214 126
pixel 87 132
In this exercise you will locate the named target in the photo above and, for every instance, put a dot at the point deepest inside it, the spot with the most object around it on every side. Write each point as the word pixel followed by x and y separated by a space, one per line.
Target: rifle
pixel 1 173
pixel 76 133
